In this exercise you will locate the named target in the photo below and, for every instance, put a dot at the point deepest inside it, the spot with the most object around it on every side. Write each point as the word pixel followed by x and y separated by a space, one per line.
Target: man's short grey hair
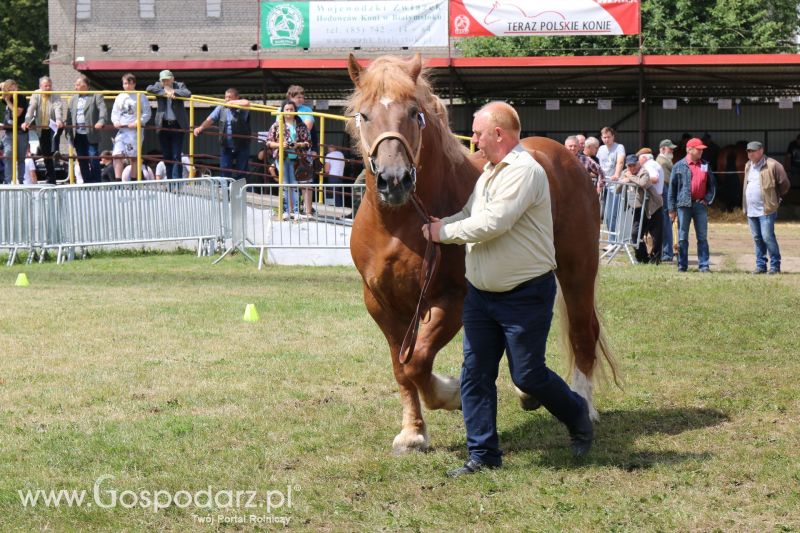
pixel 45 78
pixel 592 141
pixel 573 138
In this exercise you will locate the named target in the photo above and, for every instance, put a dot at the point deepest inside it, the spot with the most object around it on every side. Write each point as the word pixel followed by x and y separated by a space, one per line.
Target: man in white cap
pixel 765 182
pixel 172 120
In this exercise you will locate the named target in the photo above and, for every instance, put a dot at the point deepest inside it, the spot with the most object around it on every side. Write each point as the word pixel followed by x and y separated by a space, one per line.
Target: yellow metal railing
pixel 209 101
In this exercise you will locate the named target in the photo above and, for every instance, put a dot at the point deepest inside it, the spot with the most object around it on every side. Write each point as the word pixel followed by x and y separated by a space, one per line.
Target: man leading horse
pixel 507 226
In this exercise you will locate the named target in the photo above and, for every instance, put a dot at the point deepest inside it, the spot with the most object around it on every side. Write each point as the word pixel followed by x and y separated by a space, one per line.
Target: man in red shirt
pixel 692 187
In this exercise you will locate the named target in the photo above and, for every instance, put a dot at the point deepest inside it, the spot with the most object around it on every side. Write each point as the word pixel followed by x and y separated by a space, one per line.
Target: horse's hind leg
pixel 580 331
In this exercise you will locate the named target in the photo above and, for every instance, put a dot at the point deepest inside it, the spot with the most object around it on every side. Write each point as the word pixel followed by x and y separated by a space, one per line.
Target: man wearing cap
pixel 764 184
pixel 171 120
pixel 692 187
pixel 125 118
pixel 665 153
pixel 637 173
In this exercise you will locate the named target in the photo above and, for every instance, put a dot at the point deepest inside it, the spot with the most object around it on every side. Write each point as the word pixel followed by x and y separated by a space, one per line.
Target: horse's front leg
pixel 413 435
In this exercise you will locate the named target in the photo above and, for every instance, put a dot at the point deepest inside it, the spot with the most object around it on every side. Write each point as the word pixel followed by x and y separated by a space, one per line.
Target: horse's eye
pixel 364 117
pixel 413 112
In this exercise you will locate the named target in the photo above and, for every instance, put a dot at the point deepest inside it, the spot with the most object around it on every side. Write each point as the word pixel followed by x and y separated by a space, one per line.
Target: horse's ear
pixel 416 66
pixel 354 69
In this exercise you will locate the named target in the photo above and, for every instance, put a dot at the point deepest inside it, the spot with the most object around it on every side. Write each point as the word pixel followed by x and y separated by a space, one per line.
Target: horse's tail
pixel 603 350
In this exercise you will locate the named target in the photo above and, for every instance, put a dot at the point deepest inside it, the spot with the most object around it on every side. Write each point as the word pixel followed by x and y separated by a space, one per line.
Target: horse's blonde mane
pixel 389 76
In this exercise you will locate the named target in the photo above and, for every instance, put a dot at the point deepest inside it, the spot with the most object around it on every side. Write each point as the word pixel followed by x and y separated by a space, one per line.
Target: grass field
pixel 137 375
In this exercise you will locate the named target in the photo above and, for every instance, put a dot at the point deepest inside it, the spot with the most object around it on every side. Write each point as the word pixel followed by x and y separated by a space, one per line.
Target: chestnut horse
pixel 401 129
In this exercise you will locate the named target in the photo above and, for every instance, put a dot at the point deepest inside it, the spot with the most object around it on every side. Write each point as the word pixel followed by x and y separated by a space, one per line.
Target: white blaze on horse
pixel 401 129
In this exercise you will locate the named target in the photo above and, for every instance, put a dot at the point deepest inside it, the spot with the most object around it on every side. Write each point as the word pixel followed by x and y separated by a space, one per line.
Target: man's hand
pixel 435 226
pixel 672 216
pixel 59 124
pixel 24 126
pixel 98 125
pixel 197 131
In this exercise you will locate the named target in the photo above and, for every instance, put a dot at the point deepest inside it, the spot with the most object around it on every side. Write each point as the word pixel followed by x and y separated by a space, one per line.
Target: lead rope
pixel 430 264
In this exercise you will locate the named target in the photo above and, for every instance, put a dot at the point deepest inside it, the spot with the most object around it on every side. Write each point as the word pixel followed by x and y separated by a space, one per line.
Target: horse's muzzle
pixel 394 185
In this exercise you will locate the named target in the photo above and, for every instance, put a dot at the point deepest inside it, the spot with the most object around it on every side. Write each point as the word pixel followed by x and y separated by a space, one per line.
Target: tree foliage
pixel 24 41
pixel 670 27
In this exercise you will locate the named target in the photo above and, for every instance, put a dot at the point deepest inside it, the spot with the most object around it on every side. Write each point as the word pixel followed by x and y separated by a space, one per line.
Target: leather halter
pixel 432 256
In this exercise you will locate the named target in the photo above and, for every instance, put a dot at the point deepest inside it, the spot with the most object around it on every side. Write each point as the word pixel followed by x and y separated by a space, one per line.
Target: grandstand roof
pixel 531 78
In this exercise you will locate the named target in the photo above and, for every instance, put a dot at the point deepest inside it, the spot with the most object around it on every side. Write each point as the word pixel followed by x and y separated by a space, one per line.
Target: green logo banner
pixel 284 25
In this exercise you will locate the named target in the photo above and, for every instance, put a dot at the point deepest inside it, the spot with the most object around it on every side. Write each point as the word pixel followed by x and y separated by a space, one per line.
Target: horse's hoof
pixel 410 441
pixel 526 401
pixel 529 403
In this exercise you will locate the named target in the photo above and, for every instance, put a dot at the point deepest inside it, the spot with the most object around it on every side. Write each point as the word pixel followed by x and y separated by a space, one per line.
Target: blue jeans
pixel 515 321
pixel 90 168
pixel 610 208
pixel 666 249
pixel 763 230
pixel 8 148
pixel 232 158
pixel 171 148
pixel 289 179
pixel 699 214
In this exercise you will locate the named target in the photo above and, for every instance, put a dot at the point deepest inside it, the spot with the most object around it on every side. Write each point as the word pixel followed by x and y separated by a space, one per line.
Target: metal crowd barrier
pixel 618 209
pixel 256 224
pixel 16 220
pixel 63 218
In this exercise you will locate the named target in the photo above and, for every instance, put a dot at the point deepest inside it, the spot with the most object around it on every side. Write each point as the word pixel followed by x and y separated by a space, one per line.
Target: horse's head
pixel 388 122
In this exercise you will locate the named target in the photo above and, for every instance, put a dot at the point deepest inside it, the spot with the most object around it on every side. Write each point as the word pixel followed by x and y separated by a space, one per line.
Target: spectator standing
pixel 125 119
pixel 30 170
pixel 666 150
pixel 692 187
pixel 510 291
pixel 129 174
pixel 644 216
pixel 765 183
pixel 234 132
pixel 6 88
pixel 295 139
pixel 572 143
pixel 297 94
pixel 612 160
pixel 654 185
pixel 46 111
pixel 591 147
pixel 793 158
pixel 581 142
pixel 334 171
pixel 106 166
pixel 86 116
pixel 172 120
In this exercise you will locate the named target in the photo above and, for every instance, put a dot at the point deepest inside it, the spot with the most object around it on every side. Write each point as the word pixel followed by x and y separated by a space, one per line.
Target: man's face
pixel 46 85
pixel 167 82
pixel 590 150
pixel 230 95
pixel 607 138
pixel 666 150
pixel 581 142
pixel 128 85
pixel 633 168
pixel 485 137
pixel 695 154
pixel 299 99
pixel 80 85
pixel 572 146
pixel 755 155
